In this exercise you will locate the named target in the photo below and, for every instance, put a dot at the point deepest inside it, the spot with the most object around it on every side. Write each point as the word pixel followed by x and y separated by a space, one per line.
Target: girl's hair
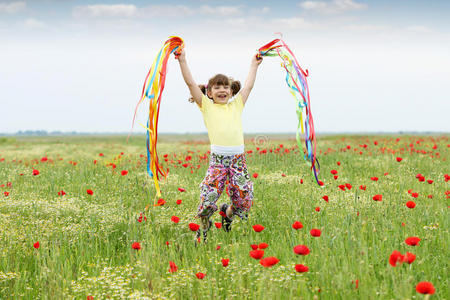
pixel 220 79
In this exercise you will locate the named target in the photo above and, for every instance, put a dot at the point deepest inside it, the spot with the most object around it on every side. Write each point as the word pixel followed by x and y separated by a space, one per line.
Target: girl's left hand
pixel 257 59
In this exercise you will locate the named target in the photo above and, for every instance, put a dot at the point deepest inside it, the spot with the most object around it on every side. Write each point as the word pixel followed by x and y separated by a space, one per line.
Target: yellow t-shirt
pixel 223 121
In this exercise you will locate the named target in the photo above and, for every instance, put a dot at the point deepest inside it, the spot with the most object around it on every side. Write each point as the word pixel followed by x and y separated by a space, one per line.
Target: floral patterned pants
pixel 230 170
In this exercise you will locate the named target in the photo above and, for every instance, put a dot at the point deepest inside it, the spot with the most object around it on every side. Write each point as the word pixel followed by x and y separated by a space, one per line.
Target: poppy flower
pixel 181 190
pixel 254 247
pixel 301 181
pixel 35 172
pixel 342 187
pixel 193 226
pixel 412 241
pixel 301 250
pixel 263 246
pixel 430 196
pixel 334 172
pixel 421 179
pixel 315 232
pixel 6 194
pixel 425 287
pixel 256 254
pixel 222 214
pixel 124 172
pixel 374 178
pixel 325 198
pixel 301 268
pixel 218 247
pixel 409 257
pixel 338 163
pixel 218 225
pixel 321 183
pixel 362 187
pixel 395 257
pixel 172 267
pixel 258 228
pixel 399 159
pixel 348 186
pixel 317 208
pixel 175 219
pixel 61 193
pixel 430 181
pixel 414 195
pixel 378 197
pixel 200 275
pixel 335 177
pixel 36 245
pixel 255 175
pixel 410 204
pixel 297 225
pixel 269 261
pixel 160 202
pixel 136 246
pixel 90 192
pixel 225 262
pixel 100 154
pixel 90 297
pixel 179 201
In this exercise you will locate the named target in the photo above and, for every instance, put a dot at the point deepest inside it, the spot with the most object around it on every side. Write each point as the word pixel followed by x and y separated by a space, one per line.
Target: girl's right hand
pixel 182 56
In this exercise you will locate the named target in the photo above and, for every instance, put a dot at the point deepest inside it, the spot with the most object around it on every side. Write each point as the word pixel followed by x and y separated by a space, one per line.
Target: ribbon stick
pixel 298 86
pixel 152 90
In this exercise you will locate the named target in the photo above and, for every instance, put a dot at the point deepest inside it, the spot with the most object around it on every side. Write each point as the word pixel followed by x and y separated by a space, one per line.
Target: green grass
pixel 85 241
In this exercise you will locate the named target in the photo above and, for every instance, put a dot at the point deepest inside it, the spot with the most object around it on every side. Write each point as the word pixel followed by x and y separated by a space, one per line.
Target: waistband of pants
pixel 227 150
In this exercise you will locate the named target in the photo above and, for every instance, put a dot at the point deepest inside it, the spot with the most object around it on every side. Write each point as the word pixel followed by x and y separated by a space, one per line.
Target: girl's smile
pixel 220 93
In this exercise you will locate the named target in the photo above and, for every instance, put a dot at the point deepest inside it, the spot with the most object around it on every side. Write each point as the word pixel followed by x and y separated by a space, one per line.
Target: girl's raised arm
pixel 250 81
pixel 193 87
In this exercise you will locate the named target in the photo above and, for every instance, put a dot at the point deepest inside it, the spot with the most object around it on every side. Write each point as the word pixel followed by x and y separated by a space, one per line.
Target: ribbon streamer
pixel 152 90
pixel 298 86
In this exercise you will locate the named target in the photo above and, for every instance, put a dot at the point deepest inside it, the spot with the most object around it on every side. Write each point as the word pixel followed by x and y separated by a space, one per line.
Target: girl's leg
pixel 241 188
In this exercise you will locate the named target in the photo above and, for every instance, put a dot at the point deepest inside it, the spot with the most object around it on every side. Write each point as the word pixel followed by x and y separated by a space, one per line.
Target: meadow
pixel 78 220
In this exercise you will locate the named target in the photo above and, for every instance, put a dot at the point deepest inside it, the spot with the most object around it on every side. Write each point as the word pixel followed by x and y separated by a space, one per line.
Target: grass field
pixel 59 242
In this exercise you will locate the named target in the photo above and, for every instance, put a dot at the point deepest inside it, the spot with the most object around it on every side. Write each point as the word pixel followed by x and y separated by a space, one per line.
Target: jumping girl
pixel 227 161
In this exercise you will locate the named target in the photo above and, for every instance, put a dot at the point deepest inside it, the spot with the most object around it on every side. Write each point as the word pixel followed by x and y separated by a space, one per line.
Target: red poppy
pixel 269 261
pixel 348 186
pixel 218 247
pixel 172 267
pixel 175 219
pixel 410 204
pixel 90 297
pixel 256 254
pixel 430 196
pixel 412 241
pixel 409 257
pixel 321 183
pixel 399 159
pixel 325 198
pixel 335 177
pixel 317 208
pixel 225 262
pixel 100 154
pixel 297 225
pixel 378 197
pixel 301 181
pixel 222 214
pixel 35 172
pixel 374 178
pixel 218 225
pixel 315 232
pixel 334 172
pixel 301 250
pixel 342 187
pixel 430 181
pixel 263 246
pixel 136 246
pixel 425 287
pixel 200 275
pixel 362 187
pixel 421 179
pixel 36 245
pixel 301 268
pixel 193 226
pixel 338 163
pixel 179 201
pixel 396 257
pixel 258 228
pixel 181 190
pixel 255 175
pixel 414 195
pixel 160 202
pixel 61 193
pixel 124 172
pixel 6 194
pixel 90 192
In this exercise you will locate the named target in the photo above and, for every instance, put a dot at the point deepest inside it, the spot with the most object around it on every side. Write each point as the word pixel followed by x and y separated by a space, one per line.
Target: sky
pixel 76 65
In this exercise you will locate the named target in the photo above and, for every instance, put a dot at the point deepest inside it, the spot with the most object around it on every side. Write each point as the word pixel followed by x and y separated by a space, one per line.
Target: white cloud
pixel 333 7
pixel 34 24
pixel 104 10
pixel 12 7
pixel 166 10
pixel 294 23
pixel 220 10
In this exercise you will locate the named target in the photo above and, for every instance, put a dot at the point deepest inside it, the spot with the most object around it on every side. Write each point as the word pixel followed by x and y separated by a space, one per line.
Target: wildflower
pixel 315 232
pixel 374 178
pixel 253 246
pixel 410 204
pixel 218 225
pixel 269 261
pixel 317 208
pixel 348 186
pixel 225 262
pixel 362 187
pixel 100 154
pixel 6 194
pixel 412 241
pixel 297 225
pixel 90 192
pixel 396 257
pixel 136 246
pixel 425 287
pixel 258 228
pixel 218 247
pixel 124 172
pixel 160 202
pixel 181 190
pixel 263 246
pixel 338 163
pixel 430 181
pixel 377 197
pixel 301 250
pixel 200 275
pixel 172 267
pixel 179 201
pixel 334 172
pixel 255 175
pixel 335 177
pixel 409 257
pixel 193 226
pixel 399 159
pixel 342 187
pixel 325 198
pixel 256 254
pixel 175 219
pixel 414 195
pixel 321 183
pixel 35 172
pixel 61 193
pixel 36 245
pixel 301 268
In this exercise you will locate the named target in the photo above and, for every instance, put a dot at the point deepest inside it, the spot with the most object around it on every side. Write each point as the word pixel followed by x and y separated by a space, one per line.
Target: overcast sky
pixel 76 65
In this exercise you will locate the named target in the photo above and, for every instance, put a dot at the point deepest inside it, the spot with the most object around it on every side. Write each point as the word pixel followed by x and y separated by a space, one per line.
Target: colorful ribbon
pixel 298 86
pixel 152 90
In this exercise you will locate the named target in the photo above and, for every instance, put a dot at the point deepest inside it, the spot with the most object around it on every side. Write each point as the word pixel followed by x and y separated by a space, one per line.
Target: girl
pixel 223 121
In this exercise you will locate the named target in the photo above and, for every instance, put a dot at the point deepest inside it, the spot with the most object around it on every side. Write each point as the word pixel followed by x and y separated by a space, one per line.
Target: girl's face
pixel 220 93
